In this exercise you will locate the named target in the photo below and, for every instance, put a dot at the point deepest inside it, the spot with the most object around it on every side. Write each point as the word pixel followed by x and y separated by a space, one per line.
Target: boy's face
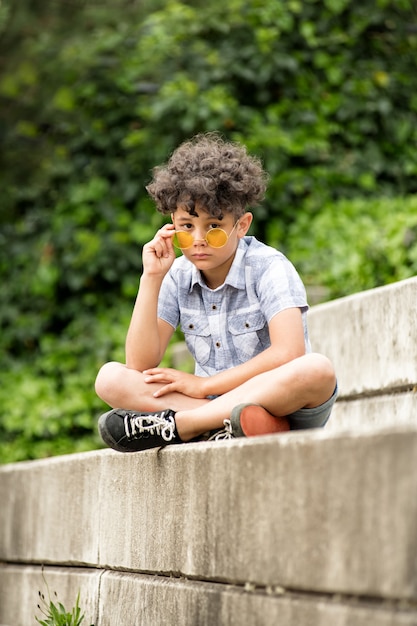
pixel 204 256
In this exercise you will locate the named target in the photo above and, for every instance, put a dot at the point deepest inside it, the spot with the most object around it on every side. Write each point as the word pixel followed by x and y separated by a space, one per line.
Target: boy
pixel 242 308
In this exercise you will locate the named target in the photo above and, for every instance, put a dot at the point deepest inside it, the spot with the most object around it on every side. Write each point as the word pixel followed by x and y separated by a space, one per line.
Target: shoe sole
pixel 250 420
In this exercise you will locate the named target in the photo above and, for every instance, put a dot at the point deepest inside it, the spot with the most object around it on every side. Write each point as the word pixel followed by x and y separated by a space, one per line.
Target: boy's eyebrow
pixel 183 219
pixel 209 218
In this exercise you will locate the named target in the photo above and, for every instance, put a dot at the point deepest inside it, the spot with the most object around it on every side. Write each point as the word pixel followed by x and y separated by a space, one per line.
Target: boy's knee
pixel 323 369
pixel 106 379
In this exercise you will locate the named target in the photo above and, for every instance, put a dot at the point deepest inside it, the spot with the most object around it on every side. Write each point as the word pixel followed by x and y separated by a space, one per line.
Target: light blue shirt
pixel 227 326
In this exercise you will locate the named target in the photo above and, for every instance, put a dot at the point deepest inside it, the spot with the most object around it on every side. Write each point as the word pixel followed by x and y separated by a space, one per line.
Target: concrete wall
pixel 371 338
pixel 306 528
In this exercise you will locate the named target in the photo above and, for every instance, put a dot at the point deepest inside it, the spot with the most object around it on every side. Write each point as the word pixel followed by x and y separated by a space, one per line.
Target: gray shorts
pixel 313 418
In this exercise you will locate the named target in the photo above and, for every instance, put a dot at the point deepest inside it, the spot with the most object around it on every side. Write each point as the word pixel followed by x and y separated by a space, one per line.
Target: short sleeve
pixel 280 287
pixel 168 308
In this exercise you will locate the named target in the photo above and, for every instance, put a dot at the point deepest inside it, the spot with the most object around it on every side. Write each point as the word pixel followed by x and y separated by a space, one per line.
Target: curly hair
pixel 211 172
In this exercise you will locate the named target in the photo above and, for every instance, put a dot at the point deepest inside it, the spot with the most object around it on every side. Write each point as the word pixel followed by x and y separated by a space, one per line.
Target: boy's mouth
pixel 200 255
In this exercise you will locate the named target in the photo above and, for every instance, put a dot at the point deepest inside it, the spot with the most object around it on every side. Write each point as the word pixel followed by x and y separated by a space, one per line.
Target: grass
pixel 55 614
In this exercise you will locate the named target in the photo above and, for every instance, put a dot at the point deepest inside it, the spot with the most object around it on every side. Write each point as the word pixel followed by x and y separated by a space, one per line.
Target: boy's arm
pixel 148 336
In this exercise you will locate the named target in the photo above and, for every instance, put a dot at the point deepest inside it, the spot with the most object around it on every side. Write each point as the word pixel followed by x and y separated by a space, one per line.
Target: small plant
pixel 55 614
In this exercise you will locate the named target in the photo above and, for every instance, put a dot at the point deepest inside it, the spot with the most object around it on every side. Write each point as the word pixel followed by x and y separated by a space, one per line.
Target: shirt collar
pixel 235 277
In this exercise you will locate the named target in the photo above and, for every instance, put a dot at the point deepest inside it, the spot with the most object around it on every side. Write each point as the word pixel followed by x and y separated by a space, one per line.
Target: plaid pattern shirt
pixel 227 326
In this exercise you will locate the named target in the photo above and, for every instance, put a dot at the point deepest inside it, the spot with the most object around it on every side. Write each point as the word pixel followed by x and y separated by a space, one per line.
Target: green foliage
pixel 48 401
pixel 93 95
pixel 55 613
pixel 353 245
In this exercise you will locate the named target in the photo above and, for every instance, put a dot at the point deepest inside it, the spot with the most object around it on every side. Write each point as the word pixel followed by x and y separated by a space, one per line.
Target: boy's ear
pixel 244 223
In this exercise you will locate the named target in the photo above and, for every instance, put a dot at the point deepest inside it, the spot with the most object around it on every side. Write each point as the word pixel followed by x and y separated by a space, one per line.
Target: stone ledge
pixel 317 511
pixel 377 412
pixel 370 337
pixel 108 598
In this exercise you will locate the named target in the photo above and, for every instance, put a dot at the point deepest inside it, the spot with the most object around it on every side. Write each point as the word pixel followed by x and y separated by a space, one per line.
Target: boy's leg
pixel 125 388
pixel 305 382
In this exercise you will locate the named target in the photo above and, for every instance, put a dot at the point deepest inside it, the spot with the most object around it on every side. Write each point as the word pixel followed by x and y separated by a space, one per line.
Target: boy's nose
pixel 199 236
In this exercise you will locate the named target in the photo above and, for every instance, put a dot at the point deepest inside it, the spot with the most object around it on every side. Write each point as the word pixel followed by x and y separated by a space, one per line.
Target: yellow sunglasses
pixel 215 238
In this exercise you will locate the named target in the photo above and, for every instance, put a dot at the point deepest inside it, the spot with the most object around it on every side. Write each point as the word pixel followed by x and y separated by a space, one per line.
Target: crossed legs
pixel 305 382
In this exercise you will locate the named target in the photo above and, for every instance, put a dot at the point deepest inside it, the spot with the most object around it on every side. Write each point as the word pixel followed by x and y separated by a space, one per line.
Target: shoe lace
pixel 160 424
pixel 224 433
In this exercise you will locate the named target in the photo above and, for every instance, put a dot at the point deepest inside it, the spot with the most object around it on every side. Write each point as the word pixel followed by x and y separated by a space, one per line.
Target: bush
pixel 357 244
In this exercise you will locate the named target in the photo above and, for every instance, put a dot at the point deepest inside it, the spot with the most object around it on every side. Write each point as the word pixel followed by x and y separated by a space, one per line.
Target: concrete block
pixel 50 509
pixel 303 511
pixel 153 601
pixel 126 599
pixel 318 511
pixel 375 411
pixel 20 586
pixel 371 337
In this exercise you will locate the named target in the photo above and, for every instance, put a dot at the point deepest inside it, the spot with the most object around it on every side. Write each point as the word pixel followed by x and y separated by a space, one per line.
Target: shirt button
pixel 217 344
pixel 191 326
pixel 214 307
pixel 247 325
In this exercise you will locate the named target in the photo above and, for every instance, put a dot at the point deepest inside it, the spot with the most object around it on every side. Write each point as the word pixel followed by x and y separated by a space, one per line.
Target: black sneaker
pixel 131 431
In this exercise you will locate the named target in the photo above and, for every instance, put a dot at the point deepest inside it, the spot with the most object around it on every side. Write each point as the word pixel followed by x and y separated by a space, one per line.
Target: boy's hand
pixel 174 380
pixel 158 255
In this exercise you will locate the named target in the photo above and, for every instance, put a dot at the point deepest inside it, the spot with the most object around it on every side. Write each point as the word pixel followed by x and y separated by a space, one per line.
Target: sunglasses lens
pixel 216 238
pixel 182 240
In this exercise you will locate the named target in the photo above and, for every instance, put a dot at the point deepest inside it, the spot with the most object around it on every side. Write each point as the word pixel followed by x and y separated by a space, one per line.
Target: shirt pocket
pixel 249 333
pixel 197 337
